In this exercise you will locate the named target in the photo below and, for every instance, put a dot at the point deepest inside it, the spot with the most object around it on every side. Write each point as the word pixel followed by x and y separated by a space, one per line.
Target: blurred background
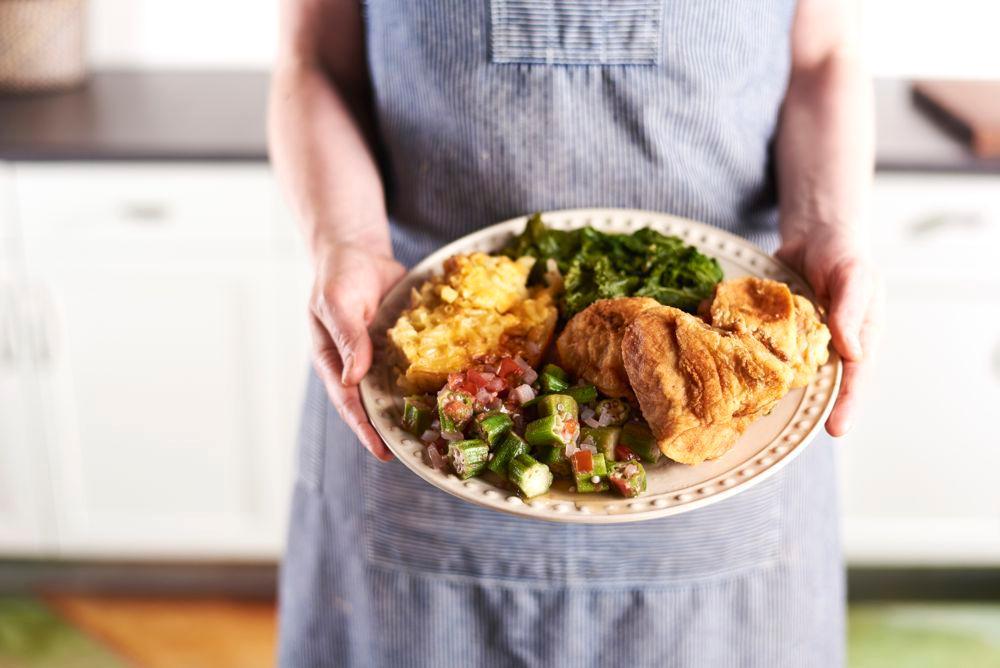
pixel 153 343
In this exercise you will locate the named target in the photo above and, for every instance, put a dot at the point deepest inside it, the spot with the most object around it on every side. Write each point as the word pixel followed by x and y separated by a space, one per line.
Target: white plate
pixel 770 443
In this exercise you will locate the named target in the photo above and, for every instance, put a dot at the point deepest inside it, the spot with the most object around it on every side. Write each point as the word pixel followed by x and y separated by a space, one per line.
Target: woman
pixel 399 125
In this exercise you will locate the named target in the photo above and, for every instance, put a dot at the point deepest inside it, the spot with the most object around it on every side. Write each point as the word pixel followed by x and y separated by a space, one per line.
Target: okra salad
pixel 501 418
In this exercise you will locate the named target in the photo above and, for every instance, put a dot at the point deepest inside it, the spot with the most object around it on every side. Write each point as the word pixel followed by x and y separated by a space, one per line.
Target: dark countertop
pixel 909 140
pixel 220 115
pixel 141 115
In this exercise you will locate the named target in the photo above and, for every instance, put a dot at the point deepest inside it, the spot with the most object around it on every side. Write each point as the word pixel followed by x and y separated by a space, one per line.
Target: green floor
pixel 885 635
pixel 31 636
pixel 915 635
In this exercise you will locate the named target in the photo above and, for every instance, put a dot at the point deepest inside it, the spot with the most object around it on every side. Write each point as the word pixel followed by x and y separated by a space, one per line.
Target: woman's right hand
pixel 350 281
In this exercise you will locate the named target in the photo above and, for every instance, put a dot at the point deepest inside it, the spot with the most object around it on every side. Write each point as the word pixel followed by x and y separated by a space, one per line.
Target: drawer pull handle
pixel 937 221
pixel 146 212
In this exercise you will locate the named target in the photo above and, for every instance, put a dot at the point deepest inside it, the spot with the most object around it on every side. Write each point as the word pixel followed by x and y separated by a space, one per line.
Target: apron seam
pixel 488 581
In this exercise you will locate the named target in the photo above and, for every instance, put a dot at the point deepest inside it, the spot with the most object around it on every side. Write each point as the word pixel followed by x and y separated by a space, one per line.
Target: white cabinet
pixel 164 363
pixel 25 509
pixel 24 521
pixel 920 467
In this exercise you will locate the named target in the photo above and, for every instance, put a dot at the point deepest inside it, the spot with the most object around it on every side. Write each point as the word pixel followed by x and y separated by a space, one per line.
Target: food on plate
pixel 596 265
pixel 590 345
pixel 787 324
pixel 699 387
pixel 634 374
pixel 503 418
pixel 480 305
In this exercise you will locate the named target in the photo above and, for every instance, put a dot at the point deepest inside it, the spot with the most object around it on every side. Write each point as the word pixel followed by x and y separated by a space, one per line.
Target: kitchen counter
pixel 220 116
pixel 141 115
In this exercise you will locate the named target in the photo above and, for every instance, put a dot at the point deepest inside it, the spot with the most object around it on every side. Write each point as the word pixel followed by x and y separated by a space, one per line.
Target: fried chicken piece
pixel 590 345
pixel 812 342
pixel 787 324
pixel 699 387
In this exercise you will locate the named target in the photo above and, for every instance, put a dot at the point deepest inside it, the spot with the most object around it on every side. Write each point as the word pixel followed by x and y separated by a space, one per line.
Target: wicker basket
pixel 41 44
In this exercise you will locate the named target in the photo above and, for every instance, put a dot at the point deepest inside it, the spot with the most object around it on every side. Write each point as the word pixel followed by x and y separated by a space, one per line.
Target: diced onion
pixel 436 424
pixel 529 376
pixel 483 396
pixel 452 435
pixel 487 375
pixel 430 436
pixel 533 347
pixel 570 449
pixel 521 363
pixel 591 422
pixel 552 275
pixel 437 461
pixel 603 418
pixel 586 412
pixel 522 393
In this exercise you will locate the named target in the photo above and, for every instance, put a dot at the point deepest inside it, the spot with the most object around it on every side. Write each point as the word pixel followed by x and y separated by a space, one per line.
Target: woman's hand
pixel 350 281
pixel 841 274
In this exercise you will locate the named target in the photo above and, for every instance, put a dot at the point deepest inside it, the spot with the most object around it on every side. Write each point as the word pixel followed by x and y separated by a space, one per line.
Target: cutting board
pixel 971 109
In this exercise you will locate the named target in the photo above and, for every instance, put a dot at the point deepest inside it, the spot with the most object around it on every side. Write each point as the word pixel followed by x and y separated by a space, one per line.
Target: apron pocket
pixel 582 32
pixel 412 527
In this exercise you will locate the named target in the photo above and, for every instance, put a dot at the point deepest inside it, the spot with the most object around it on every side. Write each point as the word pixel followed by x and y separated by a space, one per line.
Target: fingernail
pixel 348 360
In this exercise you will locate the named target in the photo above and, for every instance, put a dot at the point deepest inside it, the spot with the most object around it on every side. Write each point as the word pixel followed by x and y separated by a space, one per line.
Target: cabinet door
pixel 920 467
pixel 25 520
pixel 161 361
pixel 24 490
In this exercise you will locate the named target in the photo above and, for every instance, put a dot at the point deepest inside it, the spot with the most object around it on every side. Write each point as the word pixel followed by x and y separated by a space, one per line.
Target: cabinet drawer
pixel 78 202
pixel 937 227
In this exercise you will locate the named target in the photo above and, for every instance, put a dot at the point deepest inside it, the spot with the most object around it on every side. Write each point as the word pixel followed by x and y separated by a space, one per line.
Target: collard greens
pixel 596 265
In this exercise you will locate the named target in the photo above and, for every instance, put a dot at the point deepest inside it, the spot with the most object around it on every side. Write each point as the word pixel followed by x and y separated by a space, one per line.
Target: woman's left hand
pixel 841 273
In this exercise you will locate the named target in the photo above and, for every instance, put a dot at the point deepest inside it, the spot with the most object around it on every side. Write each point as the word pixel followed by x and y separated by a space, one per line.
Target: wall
pixel 182 33
pixel 905 37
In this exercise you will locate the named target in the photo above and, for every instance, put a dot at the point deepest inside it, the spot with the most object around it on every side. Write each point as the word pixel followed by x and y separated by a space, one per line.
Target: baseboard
pixel 244 580
pixel 259 580
pixel 923 584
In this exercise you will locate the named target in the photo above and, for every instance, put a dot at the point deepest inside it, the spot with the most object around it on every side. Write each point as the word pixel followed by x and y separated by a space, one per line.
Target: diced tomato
pixel 510 369
pixel 622 453
pixel 621 485
pixel 570 430
pixel 476 378
pixel 583 461
pixel 497 384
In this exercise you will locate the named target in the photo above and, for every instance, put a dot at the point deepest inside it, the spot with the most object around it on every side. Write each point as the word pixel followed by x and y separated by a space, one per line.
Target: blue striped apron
pixel 495 108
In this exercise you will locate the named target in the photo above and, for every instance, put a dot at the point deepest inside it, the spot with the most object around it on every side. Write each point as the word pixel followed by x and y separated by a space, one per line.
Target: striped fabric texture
pixel 586 32
pixel 488 110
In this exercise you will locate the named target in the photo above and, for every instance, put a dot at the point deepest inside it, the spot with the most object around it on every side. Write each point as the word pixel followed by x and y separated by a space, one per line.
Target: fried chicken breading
pixel 787 324
pixel 699 387
pixel 590 345
pixel 812 342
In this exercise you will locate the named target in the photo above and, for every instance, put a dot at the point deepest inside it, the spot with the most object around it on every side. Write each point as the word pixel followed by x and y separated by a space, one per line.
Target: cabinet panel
pixel 25 502
pixel 920 466
pixel 153 377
